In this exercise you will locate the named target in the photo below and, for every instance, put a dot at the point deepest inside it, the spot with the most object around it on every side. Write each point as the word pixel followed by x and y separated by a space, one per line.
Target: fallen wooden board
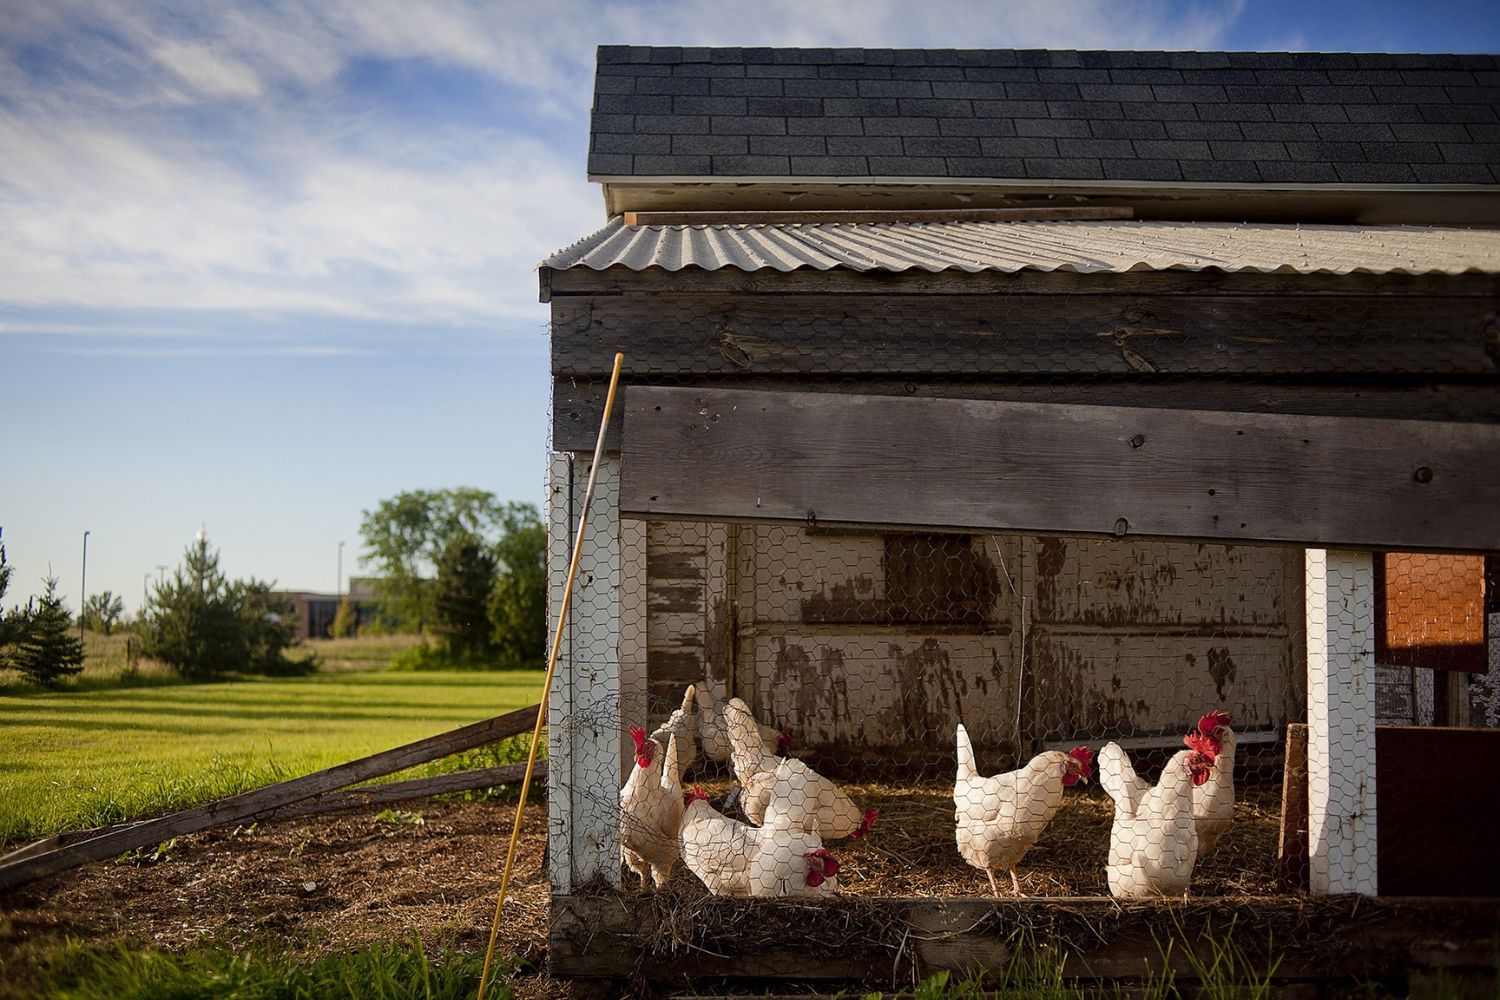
pixel 246 805
pixel 405 791
pixel 1052 468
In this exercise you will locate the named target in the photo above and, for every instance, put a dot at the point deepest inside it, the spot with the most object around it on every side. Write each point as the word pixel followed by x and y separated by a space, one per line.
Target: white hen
pixel 682 723
pixel 734 859
pixel 1001 816
pixel 651 810
pixel 713 730
pixel 1152 849
pixel 1213 801
pixel 806 799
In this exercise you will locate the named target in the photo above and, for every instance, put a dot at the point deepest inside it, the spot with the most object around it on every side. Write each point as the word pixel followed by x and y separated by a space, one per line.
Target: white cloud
pixel 213 75
pixel 114 194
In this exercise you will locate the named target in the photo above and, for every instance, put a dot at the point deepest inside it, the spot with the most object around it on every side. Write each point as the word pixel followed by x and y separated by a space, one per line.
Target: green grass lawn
pixel 88 757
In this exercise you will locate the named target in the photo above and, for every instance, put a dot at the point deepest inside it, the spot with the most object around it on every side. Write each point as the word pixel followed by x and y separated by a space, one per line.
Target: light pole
pixel 145 590
pixel 341 572
pixel 83 586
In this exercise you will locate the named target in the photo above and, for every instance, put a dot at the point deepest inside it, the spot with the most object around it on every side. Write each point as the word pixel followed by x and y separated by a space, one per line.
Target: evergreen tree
pixel 47 649
pixel 11 622
pixel 202 625
pixel 101 612
pixel 461 598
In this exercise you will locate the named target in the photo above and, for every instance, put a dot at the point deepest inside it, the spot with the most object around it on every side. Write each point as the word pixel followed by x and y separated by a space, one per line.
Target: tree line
pixel 457 564
pixel 465 567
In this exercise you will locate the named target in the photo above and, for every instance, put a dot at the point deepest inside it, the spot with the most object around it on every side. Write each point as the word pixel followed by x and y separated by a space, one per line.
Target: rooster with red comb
pixel 1213 799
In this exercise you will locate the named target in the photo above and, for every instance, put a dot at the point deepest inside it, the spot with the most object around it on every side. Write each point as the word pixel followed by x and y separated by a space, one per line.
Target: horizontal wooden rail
pixel 405 791
pixel 247 805
pixel 820 458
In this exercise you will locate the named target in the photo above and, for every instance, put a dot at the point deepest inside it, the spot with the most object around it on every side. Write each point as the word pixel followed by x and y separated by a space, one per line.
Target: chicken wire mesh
pixel 807 709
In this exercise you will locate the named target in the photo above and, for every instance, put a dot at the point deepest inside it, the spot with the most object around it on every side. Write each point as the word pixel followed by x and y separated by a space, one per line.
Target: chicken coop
pixel 1033 401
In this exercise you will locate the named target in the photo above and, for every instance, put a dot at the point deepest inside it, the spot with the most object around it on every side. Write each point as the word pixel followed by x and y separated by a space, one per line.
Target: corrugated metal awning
pixel 1084 247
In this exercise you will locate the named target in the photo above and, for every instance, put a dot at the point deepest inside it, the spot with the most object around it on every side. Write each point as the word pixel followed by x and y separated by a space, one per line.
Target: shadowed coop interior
pixel 862 651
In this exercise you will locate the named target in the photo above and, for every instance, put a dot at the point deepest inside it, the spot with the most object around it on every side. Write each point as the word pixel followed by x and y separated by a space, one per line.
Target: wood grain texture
pixel 977 335
pixel 1050 468
pixel 1291 849
pixel 1327 941
pixel 237 808
pixel 578 403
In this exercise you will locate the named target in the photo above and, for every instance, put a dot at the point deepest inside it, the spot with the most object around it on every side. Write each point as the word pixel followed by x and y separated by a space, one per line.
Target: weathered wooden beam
pixel 587 731
pixel 578 403
pixel 1213 282
pixel 980 335
pixel 1291 848
pixel 1341 777
pixel 237 808
pixel 888 941
pixel 405 791
pixel 1052 468
pixel 794 218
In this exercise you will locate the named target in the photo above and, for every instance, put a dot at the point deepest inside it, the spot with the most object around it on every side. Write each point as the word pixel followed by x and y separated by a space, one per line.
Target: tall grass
pixel 379 972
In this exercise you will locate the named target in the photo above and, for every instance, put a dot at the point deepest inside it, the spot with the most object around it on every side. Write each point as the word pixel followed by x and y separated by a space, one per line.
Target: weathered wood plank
pixel 1341 777
pixel 977 335
pixel 622 280
pixel 889 941
pixel 405 791
pixel 1291 849
pixel 577 403
pixel 733 454
pixel 237 808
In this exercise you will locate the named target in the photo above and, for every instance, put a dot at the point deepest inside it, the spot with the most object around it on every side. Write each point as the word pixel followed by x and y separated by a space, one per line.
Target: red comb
pixel 1084 756
pixel 694 794
pixel 1212 721
pixel 865 824
pixel 784 742
pixel 1205 745
pixel 639 735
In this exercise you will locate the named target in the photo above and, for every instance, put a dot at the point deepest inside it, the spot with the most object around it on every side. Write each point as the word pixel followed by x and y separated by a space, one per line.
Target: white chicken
pixel 734 859
pixel 999 818
pixel 1153 847
pixel 651 810
pixel 806 799
pixel 1213 801
pixel 1118 778
pixel 713 731
pixel 682 723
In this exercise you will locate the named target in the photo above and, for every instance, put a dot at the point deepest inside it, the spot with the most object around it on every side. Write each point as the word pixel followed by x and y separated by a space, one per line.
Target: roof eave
pixel 1450 204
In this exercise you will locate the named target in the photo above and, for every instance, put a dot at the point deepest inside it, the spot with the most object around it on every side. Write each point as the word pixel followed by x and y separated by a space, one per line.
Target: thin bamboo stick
pixel 541 712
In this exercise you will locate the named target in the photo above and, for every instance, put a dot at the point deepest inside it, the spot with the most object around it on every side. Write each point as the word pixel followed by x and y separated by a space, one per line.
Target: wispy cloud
pixel 175 156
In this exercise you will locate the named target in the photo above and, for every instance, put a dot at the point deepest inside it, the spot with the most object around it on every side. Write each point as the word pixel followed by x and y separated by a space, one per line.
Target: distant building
pixel 316 610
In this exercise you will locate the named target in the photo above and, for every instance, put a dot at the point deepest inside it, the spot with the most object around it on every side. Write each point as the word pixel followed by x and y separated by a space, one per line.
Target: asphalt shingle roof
pixel 1222 117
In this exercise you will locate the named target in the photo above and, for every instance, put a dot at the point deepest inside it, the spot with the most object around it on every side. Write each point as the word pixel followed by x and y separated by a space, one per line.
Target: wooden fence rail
pixel 44 858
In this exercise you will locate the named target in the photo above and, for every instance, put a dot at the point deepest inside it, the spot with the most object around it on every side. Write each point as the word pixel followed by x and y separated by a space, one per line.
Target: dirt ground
pixel 344 880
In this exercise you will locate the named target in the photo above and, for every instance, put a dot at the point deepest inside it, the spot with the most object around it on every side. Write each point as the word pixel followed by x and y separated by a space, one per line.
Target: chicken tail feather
pixel 967 770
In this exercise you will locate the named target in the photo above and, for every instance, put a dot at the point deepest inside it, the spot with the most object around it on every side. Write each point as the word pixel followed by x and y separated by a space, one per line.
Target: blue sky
pixel 264 265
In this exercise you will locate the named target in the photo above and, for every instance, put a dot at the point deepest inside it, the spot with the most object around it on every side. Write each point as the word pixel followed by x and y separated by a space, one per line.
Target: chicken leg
pixel 1016 882
pixel 995 888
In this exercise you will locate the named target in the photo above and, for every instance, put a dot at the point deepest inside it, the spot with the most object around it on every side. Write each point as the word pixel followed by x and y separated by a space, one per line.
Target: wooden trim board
pixel 975 336
pixel 1053 468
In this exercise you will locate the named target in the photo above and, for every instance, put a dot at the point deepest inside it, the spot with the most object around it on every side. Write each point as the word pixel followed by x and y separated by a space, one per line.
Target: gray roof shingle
pixel 1236 117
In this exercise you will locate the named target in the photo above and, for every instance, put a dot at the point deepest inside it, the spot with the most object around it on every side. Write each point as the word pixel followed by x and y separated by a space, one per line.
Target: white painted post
pixel 584 712
pixel 1340 589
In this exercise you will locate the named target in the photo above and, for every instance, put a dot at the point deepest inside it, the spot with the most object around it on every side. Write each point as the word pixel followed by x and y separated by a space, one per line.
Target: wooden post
pixel 584 724
pixel 1340 589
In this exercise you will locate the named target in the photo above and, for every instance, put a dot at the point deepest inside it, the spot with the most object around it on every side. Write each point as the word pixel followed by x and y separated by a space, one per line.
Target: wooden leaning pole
pixel 541 712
